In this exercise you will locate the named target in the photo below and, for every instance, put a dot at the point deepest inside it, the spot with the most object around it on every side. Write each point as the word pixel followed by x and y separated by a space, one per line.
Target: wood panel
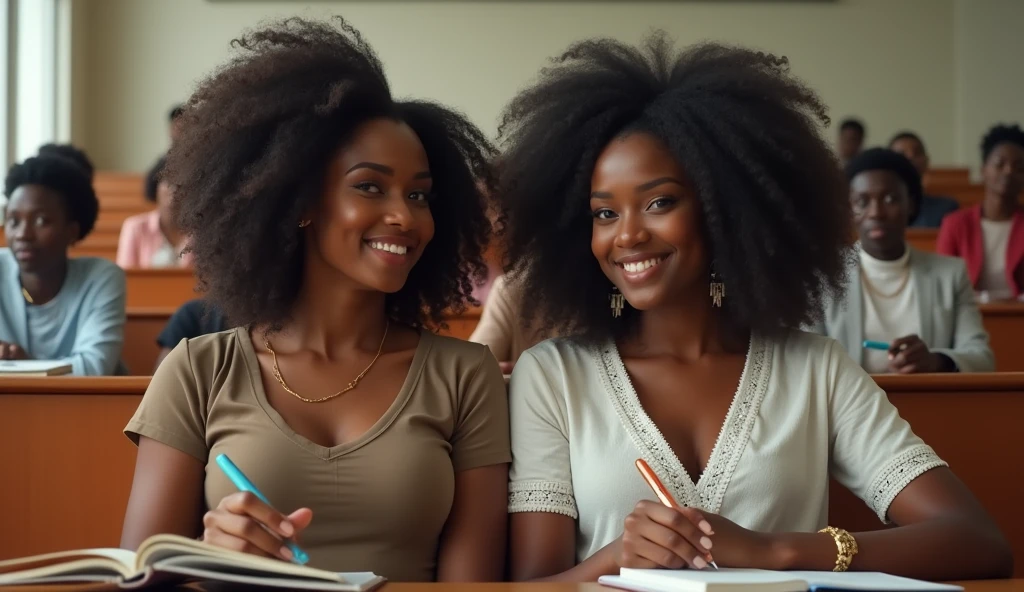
pixel 972 422
pixel 160 288
pixel 1004 322
pixel 947 175
pixel 70 468
pixel 922 239
pixel 65 466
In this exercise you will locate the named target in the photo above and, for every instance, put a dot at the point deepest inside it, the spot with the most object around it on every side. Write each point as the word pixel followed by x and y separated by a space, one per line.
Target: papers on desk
pixel 755 580
pixel 33 368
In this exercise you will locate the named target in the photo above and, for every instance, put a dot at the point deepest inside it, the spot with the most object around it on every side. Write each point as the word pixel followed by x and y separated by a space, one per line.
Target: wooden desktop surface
pixel 975 586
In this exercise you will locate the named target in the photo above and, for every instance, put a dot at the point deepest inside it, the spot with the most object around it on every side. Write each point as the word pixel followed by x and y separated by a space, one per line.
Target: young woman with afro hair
pixel 335 226
pixel 678 213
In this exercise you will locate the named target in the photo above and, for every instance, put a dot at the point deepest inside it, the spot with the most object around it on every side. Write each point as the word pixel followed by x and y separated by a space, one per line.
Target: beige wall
pixel 989 68
pixel 890 62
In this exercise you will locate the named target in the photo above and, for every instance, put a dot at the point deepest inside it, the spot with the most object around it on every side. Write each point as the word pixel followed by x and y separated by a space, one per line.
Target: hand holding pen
pixel 246 522
pixel 664 535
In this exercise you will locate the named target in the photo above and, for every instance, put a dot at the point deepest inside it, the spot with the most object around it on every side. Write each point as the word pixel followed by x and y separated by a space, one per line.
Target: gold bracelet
pixel 846 545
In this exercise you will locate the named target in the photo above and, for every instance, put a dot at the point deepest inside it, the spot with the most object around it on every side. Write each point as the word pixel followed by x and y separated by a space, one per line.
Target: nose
pixel 873 209
pixel 23 231
pixel 631 231
pixel 399 215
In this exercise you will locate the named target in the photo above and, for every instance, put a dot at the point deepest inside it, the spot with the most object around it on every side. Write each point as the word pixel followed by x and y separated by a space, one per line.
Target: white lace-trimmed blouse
pixel 803 411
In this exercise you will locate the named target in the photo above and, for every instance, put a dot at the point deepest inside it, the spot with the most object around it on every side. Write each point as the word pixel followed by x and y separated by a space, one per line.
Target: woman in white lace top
pixel 678 213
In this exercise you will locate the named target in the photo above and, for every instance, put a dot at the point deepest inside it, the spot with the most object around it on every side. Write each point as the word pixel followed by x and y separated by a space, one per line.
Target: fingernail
pixel 286 553
pixel 705 542
pixel 705 527
pixel 699 563
pixel 287 529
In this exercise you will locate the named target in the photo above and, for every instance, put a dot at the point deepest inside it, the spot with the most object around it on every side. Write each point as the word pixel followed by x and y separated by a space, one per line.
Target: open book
pixel 756 580
pixel 166 556
pixel 33 368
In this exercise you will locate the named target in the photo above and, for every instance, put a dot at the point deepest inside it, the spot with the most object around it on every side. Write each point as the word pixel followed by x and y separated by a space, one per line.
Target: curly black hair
pixel 66 178
pixel 257 139
pixel 854 124
pixel 906 135
pixel 70 152
pixel 884 159
pixel 153 176
pixel 776 213
pixel 1001 134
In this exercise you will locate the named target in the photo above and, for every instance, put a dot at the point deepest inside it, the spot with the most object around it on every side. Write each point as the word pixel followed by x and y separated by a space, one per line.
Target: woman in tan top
pixel 332 225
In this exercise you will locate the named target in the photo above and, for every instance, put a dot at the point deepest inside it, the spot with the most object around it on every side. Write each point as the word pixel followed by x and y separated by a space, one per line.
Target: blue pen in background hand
pixel 243 484
pixel 880 345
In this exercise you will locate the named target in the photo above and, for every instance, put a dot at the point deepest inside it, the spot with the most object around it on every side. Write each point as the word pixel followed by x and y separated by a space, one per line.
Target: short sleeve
pixel 481 435
pixel 173 411
pixel 874 452
pixel 183 324
pixel 497 324
pixel 541 475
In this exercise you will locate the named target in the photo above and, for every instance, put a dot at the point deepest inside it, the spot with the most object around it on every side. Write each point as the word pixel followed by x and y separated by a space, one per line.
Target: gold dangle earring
pixel 618 302
pixel 717 288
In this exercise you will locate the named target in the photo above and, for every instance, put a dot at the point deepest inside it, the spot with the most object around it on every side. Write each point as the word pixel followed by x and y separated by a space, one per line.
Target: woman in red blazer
pixel 990 236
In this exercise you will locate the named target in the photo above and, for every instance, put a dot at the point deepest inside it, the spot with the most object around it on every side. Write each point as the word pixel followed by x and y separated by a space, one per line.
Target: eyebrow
pixel 639 188
pixel 380 168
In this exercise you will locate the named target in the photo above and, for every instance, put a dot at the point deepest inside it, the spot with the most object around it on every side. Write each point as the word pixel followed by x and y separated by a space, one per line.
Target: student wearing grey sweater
pixel 53 307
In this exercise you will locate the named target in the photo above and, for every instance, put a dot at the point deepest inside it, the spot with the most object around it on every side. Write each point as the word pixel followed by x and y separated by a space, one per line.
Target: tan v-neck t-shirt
pixel 379 502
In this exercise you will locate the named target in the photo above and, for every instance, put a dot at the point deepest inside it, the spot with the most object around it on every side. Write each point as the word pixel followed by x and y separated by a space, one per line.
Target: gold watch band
pixel 845 544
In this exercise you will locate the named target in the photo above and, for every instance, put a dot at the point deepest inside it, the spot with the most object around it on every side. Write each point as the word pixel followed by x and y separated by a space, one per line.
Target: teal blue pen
pixel 877 345
pixel 243 484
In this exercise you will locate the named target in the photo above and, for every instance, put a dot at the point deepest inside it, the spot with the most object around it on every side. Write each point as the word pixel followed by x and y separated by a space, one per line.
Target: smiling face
pixel 374 219
pixel 647 233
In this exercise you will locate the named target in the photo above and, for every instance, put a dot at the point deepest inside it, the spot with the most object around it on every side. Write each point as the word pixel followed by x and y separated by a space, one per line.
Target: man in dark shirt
pixel 194 318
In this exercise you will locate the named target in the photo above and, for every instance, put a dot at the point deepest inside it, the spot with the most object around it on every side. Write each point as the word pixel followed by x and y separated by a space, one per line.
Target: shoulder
pixel 564 353
pixel 138 223
pixel 961 218
pixel 95 271
pixel 801 355
pixel 7 261
pixel 451 348
pixel 941 265
pixel 209 354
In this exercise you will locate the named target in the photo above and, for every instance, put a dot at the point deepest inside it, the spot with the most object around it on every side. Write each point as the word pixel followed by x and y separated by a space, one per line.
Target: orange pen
pixel 659 490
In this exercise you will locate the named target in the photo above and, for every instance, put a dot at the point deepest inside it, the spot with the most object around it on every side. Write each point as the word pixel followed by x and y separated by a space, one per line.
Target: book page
pixel 730 576
pixel 33 367
pixel 177 550
pixel 119 560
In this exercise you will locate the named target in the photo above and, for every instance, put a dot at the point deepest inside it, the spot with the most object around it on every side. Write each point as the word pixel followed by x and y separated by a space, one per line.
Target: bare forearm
pixel 940 549
pixel 597 565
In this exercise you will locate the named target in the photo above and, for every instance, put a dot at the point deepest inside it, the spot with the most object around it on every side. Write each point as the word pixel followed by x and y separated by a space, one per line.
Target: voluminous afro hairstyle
pixel 71 153
pixel 776 213
pixel 1001 134
pixel 883 159
pixel 257 138
pixel 65 178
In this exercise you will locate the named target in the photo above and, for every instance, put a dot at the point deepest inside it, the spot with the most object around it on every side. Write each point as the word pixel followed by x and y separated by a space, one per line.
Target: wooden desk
pixel 1004 322
pixel 141 329
pixel 61 445
pixel 922 239
pixel 65 466
pixel 973 423
pixel 160 288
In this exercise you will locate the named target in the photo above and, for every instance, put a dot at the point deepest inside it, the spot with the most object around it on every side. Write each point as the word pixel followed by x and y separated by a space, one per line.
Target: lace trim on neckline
pixel 708 492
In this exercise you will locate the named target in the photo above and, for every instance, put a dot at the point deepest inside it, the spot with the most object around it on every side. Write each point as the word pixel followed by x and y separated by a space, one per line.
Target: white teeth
pixel 396 249
pixel 641 265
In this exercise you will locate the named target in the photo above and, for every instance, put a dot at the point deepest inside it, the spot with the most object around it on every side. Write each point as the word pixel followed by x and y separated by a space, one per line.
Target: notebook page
pixel 711 576
pixel 868 582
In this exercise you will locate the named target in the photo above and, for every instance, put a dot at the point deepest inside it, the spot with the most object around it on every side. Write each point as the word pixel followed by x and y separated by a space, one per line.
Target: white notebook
pixel 755 580
pixel 33 368
pixel 165 556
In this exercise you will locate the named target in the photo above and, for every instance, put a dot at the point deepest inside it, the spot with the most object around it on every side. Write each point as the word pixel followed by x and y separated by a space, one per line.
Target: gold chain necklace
pixel 871 287
pixel 351 385
pixel 28 297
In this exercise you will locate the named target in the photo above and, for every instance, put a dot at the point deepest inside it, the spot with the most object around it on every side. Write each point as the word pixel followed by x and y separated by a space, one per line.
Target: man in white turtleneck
pixel 921 305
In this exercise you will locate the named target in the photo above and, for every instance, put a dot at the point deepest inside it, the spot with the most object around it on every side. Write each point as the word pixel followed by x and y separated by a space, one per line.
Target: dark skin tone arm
pixel 166 494
pixel 942 533
pixel 474 538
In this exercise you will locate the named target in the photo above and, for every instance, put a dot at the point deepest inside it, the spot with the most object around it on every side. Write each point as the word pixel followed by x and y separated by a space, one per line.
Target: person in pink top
pixel 153 240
